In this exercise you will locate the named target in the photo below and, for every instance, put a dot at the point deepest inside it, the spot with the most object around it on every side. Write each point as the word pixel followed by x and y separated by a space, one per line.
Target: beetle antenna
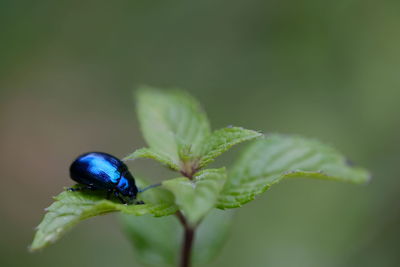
pixel 149 187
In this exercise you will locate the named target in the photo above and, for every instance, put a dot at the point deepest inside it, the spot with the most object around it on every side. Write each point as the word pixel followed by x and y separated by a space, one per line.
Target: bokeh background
pixel 324 69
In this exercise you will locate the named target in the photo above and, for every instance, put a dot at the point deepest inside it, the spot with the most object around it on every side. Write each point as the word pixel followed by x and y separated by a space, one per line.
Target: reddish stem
pixel 187 243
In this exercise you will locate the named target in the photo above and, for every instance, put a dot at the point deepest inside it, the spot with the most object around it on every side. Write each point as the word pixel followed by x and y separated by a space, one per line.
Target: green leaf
pixel 211 235
pixel 172 122
pixel 269 160
pixel 221 140
pixel 197 197
pixel 178 132
pixel 151 154
pixel 72 207
pixel 157 241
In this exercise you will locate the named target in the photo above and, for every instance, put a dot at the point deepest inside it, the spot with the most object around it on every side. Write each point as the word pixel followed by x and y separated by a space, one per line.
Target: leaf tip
pixel 31 249
pixel 366 178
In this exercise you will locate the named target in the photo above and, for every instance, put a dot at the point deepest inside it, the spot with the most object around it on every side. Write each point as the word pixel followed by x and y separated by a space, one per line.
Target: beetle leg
pixel 74 189
pixel 139 202
pixel 109 192
pixel 116 193
pixel 91 187
pixel 83 187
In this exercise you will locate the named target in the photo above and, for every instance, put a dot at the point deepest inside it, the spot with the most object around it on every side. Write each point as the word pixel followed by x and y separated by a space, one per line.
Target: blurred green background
pixel 324 69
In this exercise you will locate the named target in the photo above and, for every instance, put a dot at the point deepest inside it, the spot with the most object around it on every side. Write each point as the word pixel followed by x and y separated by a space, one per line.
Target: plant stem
pixel 187 247
pixel 187 243
pixel 188 170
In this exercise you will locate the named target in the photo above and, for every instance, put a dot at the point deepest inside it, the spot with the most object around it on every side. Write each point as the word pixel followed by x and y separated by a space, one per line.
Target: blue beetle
pixel 102 171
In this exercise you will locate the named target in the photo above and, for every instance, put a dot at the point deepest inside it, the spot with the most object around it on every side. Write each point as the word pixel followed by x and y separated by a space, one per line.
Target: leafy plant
pixel 178 135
